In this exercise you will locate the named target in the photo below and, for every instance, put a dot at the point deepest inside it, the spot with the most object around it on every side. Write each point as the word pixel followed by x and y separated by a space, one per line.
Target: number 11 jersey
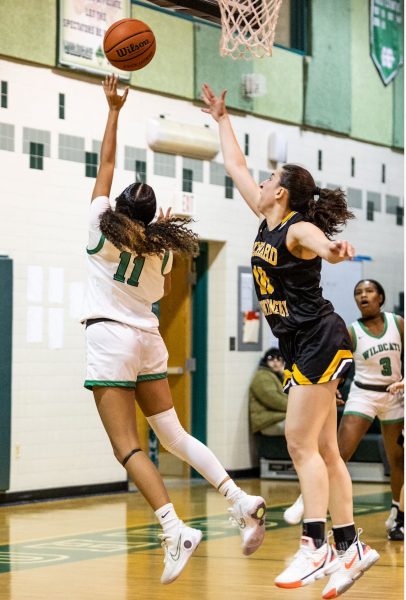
pixel 121 286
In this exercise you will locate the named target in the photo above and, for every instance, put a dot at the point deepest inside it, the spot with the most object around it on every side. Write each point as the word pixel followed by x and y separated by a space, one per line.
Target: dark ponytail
pixel 329 213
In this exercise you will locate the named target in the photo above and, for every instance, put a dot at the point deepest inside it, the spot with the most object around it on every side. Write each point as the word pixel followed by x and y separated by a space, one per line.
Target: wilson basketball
pixel 129 44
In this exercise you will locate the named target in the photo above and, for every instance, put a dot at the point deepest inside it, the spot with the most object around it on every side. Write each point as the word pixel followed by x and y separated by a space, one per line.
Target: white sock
pixel 168 519
pixel 231 491
pixel 394 503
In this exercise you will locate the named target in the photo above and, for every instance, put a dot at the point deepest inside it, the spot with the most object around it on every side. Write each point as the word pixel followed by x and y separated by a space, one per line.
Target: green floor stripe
pixel 100 544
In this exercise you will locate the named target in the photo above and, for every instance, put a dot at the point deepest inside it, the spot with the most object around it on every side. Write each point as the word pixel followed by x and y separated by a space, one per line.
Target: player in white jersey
pixel 377 339
pixel 129 261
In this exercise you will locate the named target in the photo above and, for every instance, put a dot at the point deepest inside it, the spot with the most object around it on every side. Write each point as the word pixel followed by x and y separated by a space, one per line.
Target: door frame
pixel 200 346
pixel 6 344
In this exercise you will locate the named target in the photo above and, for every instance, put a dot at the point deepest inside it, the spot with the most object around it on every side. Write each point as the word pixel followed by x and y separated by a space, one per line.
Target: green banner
pixel 387 37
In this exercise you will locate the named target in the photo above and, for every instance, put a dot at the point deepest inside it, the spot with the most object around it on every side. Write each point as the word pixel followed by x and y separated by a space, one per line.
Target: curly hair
pixel 135 237
pixel 329 213
pixel 129 226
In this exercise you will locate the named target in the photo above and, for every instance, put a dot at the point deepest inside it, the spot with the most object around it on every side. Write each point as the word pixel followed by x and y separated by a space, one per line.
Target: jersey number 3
pixel 386 366
pixel 125 258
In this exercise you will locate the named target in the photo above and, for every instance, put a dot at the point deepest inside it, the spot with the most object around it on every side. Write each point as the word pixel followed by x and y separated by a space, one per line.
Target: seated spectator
pixel 267 401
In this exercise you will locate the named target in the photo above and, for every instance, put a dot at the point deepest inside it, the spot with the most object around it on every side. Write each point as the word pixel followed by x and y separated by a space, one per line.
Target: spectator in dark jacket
pixel 267 401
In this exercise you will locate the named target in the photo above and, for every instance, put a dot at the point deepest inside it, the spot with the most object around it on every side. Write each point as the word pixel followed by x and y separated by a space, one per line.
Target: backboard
pixel 248 26
pixel 204 9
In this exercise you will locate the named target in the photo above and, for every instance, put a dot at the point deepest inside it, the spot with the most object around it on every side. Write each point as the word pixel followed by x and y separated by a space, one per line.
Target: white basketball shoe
pixel 309 564
pixel 294 514
pixel 353 563
pixel 248 514
pixel 178 549
pixel 391 520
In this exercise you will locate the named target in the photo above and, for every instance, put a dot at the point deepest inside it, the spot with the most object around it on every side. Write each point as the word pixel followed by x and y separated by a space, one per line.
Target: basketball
pixel 129 44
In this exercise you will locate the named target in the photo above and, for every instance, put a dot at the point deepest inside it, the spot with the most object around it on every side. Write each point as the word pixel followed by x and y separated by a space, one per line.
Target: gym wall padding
pixel 371 101
pixel 328 72
pixel 284 97
pixel 171 70
pixel 398 110
pixel 28 30
pixel 221 73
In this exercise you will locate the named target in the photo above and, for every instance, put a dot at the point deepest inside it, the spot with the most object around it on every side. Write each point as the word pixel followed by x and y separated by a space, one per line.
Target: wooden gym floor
pixel 105 547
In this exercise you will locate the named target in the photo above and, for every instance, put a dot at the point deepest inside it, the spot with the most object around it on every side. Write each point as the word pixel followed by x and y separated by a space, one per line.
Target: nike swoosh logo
pixel 349 565
pixel 176 556
pixel 167 513
pixel 317 564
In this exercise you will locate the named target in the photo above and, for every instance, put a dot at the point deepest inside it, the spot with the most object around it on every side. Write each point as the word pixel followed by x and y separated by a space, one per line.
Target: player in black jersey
pixel 294 235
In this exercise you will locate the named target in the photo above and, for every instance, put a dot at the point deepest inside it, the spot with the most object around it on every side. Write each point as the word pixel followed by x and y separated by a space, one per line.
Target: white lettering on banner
pixel 387 57
pixel 386 43
pixel 391 4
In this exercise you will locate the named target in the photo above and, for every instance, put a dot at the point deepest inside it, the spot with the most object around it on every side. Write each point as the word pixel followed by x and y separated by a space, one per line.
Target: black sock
pixel 315 530
pixel 400 519
pixel 344 536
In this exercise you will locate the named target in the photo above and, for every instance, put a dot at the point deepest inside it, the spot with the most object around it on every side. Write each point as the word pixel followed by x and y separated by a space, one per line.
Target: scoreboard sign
pixel 82 25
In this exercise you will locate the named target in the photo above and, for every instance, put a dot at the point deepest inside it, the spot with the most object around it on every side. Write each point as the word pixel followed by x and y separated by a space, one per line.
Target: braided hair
pixel 129 227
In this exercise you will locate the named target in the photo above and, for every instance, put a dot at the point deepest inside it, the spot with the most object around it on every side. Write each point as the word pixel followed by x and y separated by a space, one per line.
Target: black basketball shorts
pixel 319 352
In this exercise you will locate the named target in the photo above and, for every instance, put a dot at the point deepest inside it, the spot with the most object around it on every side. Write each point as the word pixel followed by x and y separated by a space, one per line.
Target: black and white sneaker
pixel 397 534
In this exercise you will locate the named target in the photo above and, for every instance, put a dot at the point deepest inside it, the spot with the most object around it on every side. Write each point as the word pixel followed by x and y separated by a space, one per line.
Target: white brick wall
pixel 57 439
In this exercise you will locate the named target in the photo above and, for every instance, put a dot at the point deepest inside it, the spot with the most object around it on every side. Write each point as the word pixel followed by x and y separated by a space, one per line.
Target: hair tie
pixel 316 191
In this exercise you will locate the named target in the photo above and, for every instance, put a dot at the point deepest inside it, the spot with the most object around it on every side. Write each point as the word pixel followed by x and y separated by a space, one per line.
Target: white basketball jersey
pixel 121 286
pixel 377 358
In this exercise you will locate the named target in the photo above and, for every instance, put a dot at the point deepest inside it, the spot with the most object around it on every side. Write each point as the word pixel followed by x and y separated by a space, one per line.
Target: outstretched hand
pixel 342 250
pixel 216 106
pixel 115 101
pixel 162 216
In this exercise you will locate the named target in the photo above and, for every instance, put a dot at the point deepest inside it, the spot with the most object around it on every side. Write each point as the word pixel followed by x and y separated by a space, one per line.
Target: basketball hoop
pixel 248 27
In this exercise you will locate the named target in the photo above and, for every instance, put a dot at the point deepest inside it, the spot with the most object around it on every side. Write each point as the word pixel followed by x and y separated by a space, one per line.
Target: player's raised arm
pixel 234 159
pixel 105 173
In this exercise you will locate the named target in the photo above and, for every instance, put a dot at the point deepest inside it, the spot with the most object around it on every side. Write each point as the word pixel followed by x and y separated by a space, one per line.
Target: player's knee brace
pixel 169 431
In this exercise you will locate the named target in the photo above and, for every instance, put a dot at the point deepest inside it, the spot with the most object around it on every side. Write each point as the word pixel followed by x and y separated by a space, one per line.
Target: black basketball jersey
pixel 288 288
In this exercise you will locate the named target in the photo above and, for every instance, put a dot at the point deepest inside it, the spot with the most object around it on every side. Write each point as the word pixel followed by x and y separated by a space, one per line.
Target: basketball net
pixel 248 27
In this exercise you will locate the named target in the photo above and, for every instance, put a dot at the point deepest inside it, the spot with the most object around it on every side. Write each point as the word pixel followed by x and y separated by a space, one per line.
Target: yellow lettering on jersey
pixel 266 251
pixel 262 280
pixel 274 307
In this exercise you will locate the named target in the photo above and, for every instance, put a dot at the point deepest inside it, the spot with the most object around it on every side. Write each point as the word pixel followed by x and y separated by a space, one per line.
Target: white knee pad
pixel 177 441
pixel 168 429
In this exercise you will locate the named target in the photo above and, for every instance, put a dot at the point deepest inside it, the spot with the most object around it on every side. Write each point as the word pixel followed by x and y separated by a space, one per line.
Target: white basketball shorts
pixel 120 355
pixel 368 404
